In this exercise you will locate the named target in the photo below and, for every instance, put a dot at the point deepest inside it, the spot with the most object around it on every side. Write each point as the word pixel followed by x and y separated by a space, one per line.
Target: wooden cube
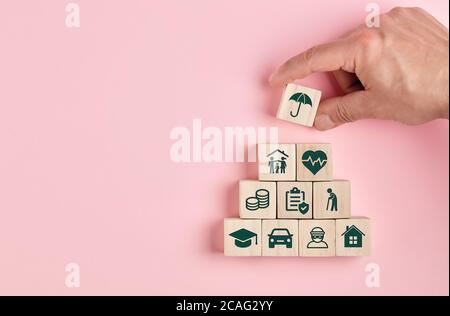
pixel 258 199
pixel 353 237
pixel 280 237
pixel 317 238
pixel 295 200
pixel 331 199
pixel 242 237
pixel 314 162
pixel 276 162
pixel 299 105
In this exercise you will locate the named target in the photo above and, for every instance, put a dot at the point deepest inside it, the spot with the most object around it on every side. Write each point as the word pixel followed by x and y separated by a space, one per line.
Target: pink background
pixel 85 171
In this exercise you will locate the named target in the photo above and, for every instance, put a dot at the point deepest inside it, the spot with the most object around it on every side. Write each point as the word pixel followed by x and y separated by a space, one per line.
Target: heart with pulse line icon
pixel 314 161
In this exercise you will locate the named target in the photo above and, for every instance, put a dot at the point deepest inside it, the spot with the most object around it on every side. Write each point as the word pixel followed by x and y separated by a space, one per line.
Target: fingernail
pixel 323 122
pixel 271 77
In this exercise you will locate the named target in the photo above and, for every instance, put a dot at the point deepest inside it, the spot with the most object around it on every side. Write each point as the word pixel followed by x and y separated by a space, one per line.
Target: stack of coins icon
pixel 252 204
pixel 262 196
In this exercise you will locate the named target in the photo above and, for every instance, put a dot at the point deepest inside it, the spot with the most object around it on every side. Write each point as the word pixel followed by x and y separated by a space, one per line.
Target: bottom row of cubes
pixel 287 237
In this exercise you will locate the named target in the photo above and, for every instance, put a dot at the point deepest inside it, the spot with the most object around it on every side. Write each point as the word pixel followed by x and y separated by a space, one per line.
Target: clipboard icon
pixel 295 201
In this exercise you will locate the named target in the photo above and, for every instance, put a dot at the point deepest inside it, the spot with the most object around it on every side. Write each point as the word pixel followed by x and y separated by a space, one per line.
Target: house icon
pixel 277 161
pixel 278 154
pixel 353 237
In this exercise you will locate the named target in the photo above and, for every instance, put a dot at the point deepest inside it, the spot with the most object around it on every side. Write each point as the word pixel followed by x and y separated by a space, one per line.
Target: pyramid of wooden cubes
pixel 296 208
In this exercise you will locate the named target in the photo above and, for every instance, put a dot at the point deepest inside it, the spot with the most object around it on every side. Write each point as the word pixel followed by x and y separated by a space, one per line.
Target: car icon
pixel 280 236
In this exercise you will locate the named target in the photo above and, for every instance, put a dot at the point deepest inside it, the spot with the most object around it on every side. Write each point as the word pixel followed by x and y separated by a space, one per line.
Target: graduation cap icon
pixel 243 238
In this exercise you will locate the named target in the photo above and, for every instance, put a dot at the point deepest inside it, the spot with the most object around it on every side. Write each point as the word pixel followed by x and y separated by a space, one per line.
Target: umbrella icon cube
pixel 299 104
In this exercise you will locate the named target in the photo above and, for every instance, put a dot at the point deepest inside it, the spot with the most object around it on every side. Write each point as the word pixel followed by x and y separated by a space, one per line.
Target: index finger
pixel 325 57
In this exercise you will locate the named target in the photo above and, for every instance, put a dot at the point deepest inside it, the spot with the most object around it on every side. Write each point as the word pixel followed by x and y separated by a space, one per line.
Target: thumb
pixel 339 110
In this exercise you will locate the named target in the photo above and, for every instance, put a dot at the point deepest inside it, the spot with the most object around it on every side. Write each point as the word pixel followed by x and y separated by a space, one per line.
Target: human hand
pixel 399 71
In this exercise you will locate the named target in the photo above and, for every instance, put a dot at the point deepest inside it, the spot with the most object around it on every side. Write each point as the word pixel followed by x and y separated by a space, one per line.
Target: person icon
pixel 277 166
pixel 332 200
pixel 283 165
pixel 317 235
pixel 271 165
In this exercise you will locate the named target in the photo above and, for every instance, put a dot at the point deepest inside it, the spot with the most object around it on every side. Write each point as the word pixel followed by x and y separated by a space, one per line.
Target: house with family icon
pixel 277 161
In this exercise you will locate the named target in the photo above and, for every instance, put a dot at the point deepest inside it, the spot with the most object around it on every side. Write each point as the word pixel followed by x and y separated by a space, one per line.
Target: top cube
pixel 290 162
pixel 299 105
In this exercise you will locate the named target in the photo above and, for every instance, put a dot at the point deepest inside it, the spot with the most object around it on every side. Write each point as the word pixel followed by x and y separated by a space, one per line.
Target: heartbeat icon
pixel 314 160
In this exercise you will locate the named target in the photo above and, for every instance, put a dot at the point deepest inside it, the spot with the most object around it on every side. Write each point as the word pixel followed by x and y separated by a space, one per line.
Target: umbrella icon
pixel 300 98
